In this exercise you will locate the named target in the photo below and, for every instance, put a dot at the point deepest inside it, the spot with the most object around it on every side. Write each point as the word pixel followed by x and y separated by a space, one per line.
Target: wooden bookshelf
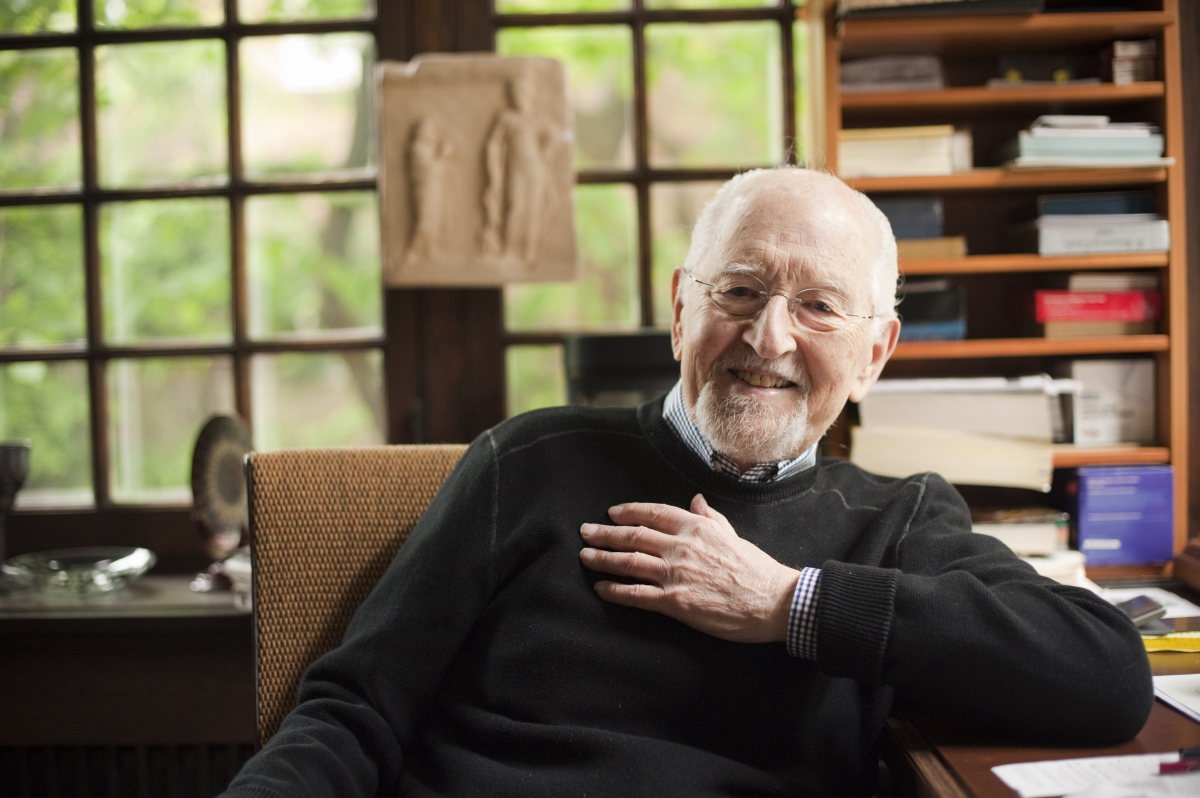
pixel 980 35
pixel 1031 347
pixel 970 99
pixel 979 202
pixel 994 179
pixel 1068 455
pixel 1004 264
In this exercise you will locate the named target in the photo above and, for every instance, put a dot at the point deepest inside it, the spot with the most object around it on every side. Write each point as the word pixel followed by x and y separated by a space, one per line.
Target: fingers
pixel 634 564
pixel 662 517
pixel 625 538
pixel 643 597
pixel 700 507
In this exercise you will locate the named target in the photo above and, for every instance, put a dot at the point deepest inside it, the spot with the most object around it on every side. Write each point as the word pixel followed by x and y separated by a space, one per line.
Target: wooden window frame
pixel 241 348
pixel 643 176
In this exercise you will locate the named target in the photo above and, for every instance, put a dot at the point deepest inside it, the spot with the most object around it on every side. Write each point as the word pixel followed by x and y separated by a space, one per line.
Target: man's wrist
pixel 801 638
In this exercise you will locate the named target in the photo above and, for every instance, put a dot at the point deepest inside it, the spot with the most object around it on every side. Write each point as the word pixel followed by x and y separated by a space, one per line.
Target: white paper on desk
pixel 1176 607
pixel 1180 691
pixel 1066 776
pixel 1153 787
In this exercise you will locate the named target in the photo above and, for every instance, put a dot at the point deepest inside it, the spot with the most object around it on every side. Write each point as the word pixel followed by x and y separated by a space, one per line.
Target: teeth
pixel 762 380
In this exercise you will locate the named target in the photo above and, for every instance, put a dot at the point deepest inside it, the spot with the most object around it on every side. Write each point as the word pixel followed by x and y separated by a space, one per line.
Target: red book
pixel 1096 305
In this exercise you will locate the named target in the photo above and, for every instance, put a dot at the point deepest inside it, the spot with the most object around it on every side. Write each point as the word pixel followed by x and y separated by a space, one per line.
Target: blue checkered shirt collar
pixel 677 417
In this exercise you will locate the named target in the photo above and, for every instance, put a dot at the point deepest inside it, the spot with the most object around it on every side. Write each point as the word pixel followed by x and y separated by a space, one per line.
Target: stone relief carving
pixel 427 157
pixel 476 171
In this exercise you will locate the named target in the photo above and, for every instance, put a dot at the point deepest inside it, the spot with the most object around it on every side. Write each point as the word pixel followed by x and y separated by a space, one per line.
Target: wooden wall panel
pixel 445 353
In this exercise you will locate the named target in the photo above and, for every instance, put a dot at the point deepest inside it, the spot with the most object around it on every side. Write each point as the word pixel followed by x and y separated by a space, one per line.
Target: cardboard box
pixel 1117 403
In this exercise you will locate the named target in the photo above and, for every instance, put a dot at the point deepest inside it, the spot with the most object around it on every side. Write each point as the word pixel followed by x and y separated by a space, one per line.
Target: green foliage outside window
pixel 35 16
pixel 166 270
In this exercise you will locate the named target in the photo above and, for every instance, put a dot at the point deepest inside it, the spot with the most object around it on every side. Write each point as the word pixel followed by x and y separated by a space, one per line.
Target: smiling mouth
pixel 762 380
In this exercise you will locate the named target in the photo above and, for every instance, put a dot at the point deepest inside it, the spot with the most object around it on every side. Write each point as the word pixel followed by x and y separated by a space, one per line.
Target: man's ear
pixel 881 349
pixel 677 314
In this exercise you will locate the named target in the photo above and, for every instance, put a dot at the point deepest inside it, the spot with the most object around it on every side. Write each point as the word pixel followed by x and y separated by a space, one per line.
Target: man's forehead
pixel 817 236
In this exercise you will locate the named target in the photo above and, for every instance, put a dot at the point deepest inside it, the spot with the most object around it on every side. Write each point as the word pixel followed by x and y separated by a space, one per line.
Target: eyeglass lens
pixel 746 295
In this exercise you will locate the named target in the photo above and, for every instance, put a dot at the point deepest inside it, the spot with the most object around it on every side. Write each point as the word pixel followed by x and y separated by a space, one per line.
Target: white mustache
pixel 744 360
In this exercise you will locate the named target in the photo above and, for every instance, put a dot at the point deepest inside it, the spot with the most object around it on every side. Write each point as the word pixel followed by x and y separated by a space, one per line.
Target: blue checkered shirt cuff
pixel 802 622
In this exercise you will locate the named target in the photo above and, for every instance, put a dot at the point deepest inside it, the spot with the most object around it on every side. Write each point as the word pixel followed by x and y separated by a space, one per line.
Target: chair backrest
pixel 324 525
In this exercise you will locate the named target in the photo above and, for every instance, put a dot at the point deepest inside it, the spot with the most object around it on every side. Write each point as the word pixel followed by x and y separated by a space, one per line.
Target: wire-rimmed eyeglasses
pixel 742 294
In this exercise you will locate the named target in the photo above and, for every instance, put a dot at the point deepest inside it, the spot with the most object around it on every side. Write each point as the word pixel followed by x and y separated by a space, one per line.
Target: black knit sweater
pixel 485 664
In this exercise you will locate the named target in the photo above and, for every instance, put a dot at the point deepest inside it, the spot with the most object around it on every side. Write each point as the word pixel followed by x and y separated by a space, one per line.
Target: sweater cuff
pixel 802 620
pixel 854 619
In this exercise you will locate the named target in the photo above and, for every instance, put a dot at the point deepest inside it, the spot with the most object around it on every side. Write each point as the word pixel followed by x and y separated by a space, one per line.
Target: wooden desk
pixel 144 688
pixel 925 762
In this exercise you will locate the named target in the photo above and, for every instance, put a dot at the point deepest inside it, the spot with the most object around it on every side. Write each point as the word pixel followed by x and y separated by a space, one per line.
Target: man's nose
pixel 772 331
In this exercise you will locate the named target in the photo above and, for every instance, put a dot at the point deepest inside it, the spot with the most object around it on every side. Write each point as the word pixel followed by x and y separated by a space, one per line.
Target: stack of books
pixel 892 73
pixel 1067 140
pixel 903 151
pixel 917 225
pixel 1130 62
pixel 1082 224
pixel 975 431
pixel 1116 303
pixel 932 310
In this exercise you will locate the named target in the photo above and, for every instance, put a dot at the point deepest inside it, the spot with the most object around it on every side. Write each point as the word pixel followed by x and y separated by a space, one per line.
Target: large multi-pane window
pixel 188 225
pixel 671 98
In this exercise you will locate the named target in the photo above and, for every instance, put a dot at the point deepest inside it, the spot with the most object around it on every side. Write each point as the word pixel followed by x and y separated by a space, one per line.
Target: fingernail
pixel 587 555
pixel 616 510
pixel 587 530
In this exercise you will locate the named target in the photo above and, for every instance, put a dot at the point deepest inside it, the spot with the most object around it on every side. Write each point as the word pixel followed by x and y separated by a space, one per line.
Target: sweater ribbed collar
pixel 710 482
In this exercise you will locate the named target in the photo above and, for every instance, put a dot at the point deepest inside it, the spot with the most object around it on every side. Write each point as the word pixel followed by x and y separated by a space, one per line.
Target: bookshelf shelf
pixel 974 35
pixel 1004 264
pixel 968 99
pixel 1031 347
pixel 1001 179
pixel 1068 455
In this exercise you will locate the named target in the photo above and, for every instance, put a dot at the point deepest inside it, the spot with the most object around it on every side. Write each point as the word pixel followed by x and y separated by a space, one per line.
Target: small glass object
pixel 81 572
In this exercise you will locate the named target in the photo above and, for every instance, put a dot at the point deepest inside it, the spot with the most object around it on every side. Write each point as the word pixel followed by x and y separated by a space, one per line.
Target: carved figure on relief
pixel 517 159
pixel 429 152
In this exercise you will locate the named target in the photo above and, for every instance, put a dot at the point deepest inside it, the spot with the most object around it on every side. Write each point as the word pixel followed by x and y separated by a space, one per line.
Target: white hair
pixel 736 193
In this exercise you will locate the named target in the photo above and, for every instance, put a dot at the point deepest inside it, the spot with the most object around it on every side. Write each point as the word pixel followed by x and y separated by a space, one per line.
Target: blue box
pixel 1125 514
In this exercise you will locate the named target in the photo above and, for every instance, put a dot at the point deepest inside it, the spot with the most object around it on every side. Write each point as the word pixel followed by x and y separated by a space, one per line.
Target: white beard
pixel 747 429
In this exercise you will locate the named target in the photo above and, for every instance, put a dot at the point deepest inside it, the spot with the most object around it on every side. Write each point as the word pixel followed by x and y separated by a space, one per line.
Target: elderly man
pixel 684 599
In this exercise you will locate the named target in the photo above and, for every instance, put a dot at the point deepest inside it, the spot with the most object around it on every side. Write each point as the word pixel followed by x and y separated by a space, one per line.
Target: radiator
pixel 142 771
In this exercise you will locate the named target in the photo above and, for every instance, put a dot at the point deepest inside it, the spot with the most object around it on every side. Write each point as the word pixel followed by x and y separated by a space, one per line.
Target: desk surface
pixel 947 769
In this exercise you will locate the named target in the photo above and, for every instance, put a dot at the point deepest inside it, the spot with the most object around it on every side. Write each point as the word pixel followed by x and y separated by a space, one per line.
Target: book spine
pixel 1084 239
pixel 1053 305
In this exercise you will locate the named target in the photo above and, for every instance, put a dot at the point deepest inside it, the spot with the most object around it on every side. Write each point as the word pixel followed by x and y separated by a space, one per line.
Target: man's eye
pixel 740 292
pixel 820 307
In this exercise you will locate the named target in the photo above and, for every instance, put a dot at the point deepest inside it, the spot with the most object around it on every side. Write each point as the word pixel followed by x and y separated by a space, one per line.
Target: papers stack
pixel 977 431
pixel 1071 141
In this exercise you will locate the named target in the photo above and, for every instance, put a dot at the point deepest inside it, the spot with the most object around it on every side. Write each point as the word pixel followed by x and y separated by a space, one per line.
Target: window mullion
pixel 788 83
pixel 237 215
pixel 642 166
pixel 97 363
